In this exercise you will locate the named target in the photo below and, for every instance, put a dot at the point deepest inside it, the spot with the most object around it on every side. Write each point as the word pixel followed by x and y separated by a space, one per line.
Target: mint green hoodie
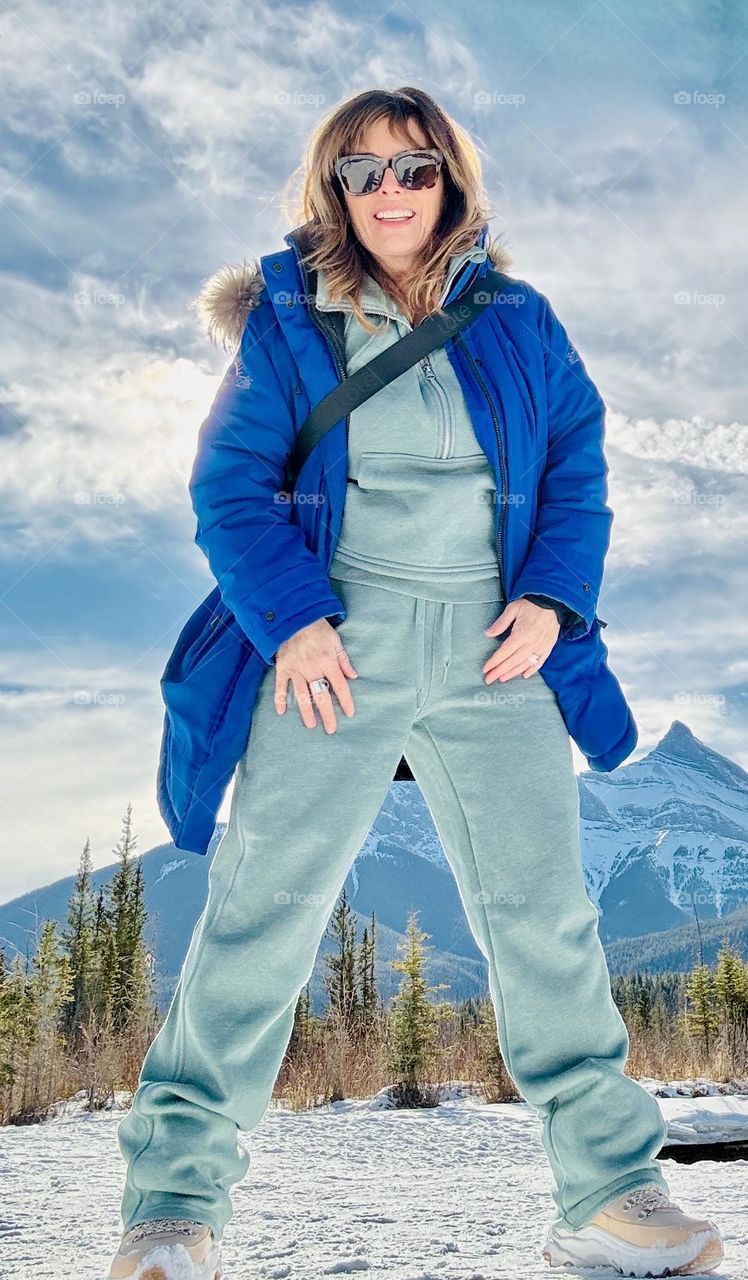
pixel 420 502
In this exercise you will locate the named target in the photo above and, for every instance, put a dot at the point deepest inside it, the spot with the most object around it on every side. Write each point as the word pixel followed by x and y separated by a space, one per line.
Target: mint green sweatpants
pixel 494 764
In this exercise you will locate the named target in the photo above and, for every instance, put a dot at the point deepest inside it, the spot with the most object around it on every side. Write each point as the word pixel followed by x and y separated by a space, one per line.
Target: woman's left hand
pixel 535 632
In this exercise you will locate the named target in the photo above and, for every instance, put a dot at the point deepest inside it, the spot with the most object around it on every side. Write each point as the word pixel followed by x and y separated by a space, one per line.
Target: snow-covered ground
pixel 458 1192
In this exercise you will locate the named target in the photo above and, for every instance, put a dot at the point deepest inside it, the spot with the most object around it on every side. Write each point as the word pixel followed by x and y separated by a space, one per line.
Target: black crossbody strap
pixel 388 365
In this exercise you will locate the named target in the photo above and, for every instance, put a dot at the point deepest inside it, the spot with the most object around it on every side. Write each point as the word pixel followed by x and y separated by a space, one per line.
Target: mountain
pixel 666 837
pixel 678 950
pixel 401 866
pixel 661 838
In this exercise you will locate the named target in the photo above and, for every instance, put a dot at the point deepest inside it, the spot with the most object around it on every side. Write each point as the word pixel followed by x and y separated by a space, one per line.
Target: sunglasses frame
pixel 432 152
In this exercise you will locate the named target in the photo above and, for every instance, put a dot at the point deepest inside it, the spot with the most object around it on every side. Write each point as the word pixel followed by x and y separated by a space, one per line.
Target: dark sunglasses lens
pixel 360 176
pixel 416 171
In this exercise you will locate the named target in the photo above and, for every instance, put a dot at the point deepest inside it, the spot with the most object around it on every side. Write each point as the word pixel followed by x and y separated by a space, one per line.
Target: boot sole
pixel 592 1247
pixel 159 1269
pixel 157 1273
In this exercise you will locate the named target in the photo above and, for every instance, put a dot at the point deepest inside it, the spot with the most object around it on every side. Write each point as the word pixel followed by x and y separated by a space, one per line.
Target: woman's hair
pixel 336 249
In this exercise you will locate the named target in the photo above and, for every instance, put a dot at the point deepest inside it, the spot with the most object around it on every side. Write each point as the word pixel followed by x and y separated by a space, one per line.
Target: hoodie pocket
pixel 421 514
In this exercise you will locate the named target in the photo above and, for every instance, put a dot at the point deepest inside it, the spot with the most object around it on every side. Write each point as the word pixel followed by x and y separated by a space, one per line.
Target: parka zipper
pixel 339 361
pixel 328 334
pixel 502 460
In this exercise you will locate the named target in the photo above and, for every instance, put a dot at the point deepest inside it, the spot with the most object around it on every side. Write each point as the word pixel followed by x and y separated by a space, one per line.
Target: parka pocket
pixel 197 640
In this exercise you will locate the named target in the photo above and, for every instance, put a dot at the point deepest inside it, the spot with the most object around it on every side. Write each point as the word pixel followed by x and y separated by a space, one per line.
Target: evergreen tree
pixel 125 974
pixel 731 986
pixel 17 1035
pixel 660 1020
pixel 490 1049
pixel 367 979
pixel 414 1019
pixel 701 1017
pixel 78 942
pixel 340 981
pixel 300 1042
pixel 142 963
pixel 120 912
pixel 643 999
pixel 49 989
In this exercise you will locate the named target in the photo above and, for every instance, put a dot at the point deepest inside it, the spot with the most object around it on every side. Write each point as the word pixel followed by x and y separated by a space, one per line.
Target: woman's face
pixel 394 244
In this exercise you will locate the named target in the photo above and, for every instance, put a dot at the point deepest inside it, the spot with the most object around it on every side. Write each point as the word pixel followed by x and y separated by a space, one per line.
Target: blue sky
pixel 144 147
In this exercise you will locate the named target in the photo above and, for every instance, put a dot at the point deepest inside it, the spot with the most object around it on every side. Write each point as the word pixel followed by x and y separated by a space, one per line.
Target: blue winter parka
pixel 536 414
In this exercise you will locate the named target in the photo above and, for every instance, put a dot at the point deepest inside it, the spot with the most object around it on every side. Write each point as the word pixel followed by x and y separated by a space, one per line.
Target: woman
pixel 467 550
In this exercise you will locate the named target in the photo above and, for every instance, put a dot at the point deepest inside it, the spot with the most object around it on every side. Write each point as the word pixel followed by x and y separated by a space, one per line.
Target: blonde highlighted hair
pixel 336 249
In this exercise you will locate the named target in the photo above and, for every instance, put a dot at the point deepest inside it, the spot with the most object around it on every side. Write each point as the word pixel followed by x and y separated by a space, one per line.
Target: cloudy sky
pixel 147 145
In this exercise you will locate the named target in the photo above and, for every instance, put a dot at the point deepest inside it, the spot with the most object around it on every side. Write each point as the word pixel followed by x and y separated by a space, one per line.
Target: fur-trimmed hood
pixel 227 297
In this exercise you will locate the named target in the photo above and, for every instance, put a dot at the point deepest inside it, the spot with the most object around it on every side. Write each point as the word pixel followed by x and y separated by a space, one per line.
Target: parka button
pixel 269 615
pixel 277 266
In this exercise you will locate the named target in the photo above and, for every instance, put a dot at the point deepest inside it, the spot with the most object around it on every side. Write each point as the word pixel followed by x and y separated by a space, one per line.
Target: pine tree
pixel 731 986
pixel 340 982
pixel 78 942
pixel 106 964
pixel 701 1019
pixel 126 965
pixel 414 1020
pixel 142 958
pixel 660 1020
pixel 367 979
pixel 121 893
pixel 49 988
pixel 17 1036
pixel 300 1041
pixel 490 1050
pixel 641 1014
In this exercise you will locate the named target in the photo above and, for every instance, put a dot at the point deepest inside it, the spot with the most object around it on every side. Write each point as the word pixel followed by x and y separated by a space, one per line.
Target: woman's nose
pixel 390 182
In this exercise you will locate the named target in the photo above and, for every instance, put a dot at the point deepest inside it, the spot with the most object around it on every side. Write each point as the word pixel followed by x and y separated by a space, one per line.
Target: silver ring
pixel 534 657
pixel 317 686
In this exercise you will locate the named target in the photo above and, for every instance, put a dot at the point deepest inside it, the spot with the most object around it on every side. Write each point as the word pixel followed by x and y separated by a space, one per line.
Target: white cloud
pixel 615 202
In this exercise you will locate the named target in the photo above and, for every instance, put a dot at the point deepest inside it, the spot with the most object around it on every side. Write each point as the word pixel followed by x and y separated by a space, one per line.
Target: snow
pixel 168 867
pixel 456 1192
pixel 682 802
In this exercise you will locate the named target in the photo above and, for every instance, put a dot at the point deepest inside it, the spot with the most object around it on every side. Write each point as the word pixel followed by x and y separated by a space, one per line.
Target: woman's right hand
pixel 309 654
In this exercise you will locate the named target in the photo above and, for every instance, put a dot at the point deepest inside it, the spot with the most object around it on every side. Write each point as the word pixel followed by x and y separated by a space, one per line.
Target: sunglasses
pixel 362 174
